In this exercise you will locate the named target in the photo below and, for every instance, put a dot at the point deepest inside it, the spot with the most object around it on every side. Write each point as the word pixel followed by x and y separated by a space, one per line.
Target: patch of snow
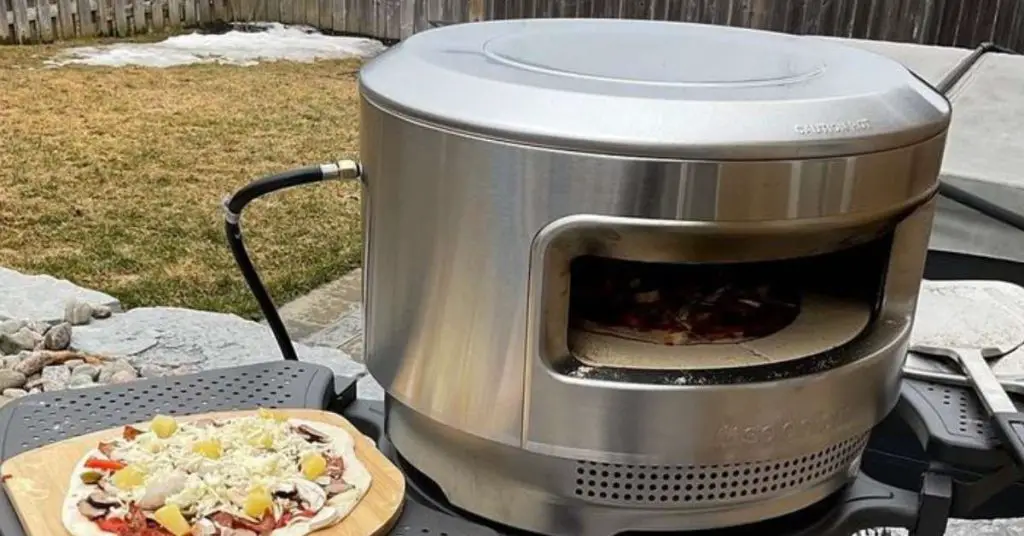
pixel 272 42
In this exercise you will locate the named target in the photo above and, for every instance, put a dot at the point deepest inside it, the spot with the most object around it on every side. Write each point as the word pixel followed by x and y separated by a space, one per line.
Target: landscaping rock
pixel 58 337
pixel 23 339
pixel 77 313
pixel 154 371
pixel 123 376
pixel 108 370
pixel 10 327
pixel 32 363
pixel 78 381
pixel 10 379
pixel 101 311
pixel 42 297
pixel 37 326
pixel 56 377
pixel 185 340
pixel 55 335
pixel 90 371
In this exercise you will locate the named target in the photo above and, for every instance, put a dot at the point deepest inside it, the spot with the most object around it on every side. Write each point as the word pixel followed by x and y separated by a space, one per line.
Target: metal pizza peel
pixel 964 311
pixel 998 331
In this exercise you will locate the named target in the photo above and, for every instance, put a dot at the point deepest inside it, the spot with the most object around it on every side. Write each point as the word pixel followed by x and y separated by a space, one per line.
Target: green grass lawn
pixel 113 178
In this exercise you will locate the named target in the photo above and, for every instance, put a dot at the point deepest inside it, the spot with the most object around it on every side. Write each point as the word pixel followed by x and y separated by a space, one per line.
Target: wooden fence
pixel 965 23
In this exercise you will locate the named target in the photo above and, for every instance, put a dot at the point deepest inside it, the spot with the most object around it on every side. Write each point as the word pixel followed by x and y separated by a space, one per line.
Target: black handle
pixel 1011 432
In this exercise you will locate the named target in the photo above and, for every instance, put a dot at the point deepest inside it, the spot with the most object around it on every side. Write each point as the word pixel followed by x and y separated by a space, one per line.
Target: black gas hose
pixel 233 207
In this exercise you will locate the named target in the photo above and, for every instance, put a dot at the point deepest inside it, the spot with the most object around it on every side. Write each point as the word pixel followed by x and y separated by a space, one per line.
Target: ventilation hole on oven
pixel 711 485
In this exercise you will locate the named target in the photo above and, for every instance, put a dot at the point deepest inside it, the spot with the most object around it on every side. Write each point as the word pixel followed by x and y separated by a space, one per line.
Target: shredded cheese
pixel 247 460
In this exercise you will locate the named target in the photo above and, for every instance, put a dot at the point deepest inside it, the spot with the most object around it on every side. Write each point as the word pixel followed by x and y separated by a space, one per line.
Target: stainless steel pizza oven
pixel 640 275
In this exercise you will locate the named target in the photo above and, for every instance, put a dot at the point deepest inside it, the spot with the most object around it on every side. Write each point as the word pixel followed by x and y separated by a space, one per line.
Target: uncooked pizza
pixel 675 305
pixel 257 475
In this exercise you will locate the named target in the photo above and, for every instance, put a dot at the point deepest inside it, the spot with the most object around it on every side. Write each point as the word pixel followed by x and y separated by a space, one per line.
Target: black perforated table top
pixel 46 418
pixel 950 419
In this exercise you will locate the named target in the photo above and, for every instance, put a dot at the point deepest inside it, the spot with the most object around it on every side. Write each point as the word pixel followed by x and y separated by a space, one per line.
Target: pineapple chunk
pixel 209 448
pixel 163 426
pixel 128 477
pixel 257 502
pixel 270 414
pixel 170 518
pixel 313 465
pixel 263 440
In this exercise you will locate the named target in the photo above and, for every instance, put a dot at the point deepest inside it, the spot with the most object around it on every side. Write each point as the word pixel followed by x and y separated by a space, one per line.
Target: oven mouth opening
pixel 705 322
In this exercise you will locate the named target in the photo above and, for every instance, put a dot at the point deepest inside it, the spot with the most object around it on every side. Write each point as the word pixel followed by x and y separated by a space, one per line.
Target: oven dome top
pixel 656 89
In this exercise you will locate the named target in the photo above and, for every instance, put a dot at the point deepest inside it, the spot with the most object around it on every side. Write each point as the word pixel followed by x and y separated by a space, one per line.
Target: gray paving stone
pixel 173 337
pixel 369 389
pixel 42 297
pixel 346 333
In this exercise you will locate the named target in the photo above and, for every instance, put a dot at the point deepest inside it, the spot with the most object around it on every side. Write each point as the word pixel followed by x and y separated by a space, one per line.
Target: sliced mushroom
pixel 107 449
pixel 102 499
pixel 284 489
pixel 338 486
pixel 89 510
pixel 222 519
pixel 158 492
pixel 204 527
pixel 310 434
pixel 313 497
pixel 237 532
pixel 107 486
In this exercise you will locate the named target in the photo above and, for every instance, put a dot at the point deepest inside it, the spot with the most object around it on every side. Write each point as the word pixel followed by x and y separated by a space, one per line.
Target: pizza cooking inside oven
pixel 677 304
pixel 258 475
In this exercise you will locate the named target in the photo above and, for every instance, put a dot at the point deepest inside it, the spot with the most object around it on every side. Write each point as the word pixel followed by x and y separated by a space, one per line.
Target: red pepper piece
pixel 106 465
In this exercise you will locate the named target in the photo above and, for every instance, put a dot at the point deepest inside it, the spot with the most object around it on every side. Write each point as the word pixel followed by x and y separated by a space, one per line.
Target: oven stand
pixel 937 443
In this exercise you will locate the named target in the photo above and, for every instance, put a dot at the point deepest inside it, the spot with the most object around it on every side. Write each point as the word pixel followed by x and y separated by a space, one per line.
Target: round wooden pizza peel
pixel 37 480
pixel 824 323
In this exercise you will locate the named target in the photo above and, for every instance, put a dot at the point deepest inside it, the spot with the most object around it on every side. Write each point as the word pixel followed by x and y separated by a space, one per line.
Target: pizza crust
pixel 73 520
pixel 824 323
pixel 335 510
pixel 355 474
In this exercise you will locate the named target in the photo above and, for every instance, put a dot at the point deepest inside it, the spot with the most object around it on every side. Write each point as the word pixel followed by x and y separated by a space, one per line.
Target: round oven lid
pixel 824 323
pixel 655 89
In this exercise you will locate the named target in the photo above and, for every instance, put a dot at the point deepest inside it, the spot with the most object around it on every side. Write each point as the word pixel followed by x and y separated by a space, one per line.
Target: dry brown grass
pixel 113 178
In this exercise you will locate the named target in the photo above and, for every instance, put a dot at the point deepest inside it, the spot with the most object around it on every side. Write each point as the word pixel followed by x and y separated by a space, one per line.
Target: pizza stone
pixel 824 323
